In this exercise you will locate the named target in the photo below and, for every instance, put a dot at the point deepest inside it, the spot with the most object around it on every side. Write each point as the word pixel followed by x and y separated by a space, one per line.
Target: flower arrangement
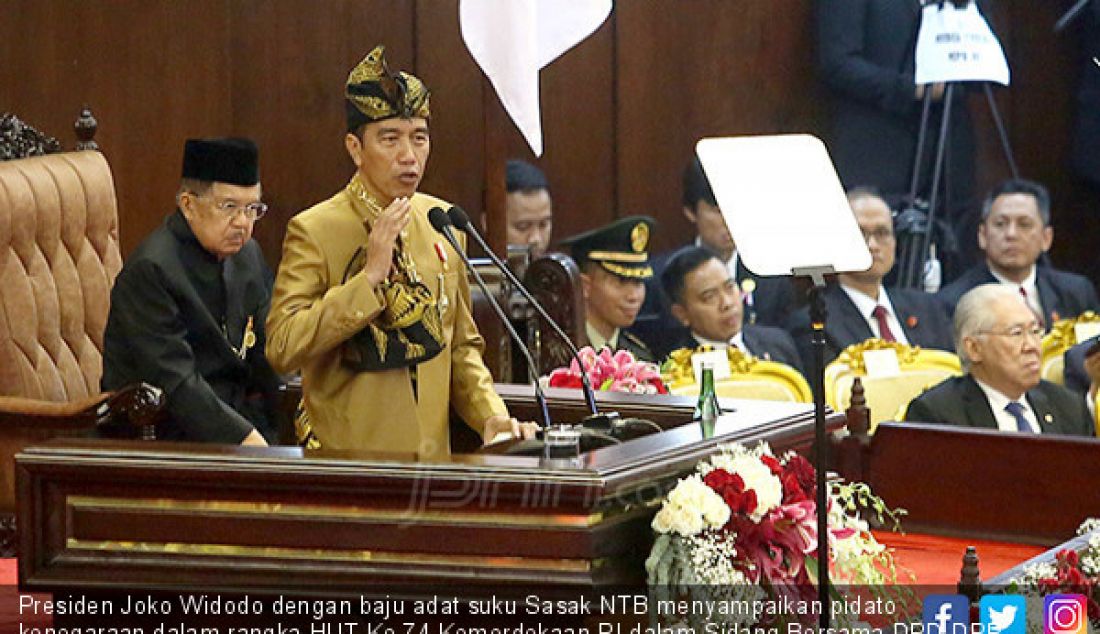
pixel 614 372
pixel 745 524
pixel 1071 572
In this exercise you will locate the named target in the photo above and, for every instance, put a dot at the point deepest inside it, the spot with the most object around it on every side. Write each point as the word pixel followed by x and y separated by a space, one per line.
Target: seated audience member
pixel 706 300
pixel 530 209
pixel 997 338
pixel 767 300
pixel 1014 232
pixel 860 308
pixel 614 266
pixel 188 308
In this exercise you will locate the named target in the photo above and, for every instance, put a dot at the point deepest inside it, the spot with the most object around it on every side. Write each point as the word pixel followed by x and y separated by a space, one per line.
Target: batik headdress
pixel 374 93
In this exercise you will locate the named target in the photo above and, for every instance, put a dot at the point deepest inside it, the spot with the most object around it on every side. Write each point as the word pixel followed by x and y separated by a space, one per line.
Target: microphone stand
pixel 462 221
pixel 441 223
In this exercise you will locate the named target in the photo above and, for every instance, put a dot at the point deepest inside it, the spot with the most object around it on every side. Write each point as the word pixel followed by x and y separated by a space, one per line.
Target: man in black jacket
pixel 1015 231
pixel 998 340
pixel 707 302
pixel 188 308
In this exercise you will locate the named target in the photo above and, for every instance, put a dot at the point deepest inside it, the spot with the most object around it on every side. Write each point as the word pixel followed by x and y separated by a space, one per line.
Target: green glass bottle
pixel 707 409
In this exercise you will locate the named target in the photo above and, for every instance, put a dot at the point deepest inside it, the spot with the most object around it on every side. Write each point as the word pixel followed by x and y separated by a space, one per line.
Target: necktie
pixel 1023 293
pixel 879 313
pixel 1017 412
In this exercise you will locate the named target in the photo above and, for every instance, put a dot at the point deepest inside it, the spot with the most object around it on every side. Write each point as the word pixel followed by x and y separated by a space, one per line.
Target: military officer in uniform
pixel 614 263
pixel 371 304
pixel 188 308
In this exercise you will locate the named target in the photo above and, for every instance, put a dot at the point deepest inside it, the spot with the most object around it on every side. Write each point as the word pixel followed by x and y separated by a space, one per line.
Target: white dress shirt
pixel 866 307
pixel 737 341
pixel 1005 420
pixel 1029 287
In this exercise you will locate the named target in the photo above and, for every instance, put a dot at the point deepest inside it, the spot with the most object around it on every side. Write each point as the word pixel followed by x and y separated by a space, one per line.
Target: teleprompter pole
pixel 821 447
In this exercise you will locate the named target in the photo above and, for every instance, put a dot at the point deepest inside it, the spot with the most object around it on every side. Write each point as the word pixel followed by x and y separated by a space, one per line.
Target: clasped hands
pixel 504 424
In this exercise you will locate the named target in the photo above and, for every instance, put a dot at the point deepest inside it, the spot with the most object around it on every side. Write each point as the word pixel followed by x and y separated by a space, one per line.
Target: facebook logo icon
pixel 946 614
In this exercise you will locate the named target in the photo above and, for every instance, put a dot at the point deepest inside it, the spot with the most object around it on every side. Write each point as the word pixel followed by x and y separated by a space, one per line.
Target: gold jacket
pixel 313 313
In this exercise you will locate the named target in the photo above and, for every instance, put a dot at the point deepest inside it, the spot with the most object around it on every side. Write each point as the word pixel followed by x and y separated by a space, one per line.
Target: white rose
pixel 715 511
pixel 758 477
pixel 687 523
pixel 662 521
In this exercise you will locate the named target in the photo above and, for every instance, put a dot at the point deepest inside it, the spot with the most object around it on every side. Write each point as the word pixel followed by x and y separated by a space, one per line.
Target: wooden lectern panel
pixel 178 517
pixel 1030 488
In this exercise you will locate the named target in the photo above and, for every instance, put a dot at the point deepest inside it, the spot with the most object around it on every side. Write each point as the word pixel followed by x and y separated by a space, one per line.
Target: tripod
pixel 916 222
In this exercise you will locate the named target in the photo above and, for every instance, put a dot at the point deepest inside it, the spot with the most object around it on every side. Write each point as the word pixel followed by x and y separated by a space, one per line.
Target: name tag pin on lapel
pixel 443 302
pixel 249 338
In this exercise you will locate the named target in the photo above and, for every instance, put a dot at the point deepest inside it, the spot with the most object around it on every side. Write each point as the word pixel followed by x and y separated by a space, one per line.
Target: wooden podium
pixel 107 517
pixel 959 481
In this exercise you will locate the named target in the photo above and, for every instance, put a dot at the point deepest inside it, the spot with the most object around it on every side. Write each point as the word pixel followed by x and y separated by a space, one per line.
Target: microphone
pixel 462 221
pixel 441 222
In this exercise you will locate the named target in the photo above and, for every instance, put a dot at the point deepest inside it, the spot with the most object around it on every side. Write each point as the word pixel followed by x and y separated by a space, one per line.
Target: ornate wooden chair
pixel 555 281
pixel 59 255
pixel 1062 337
pixel 750 378
pixel 887 397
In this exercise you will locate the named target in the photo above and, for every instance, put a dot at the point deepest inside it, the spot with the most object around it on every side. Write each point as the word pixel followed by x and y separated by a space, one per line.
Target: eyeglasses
pixel 1018 333
pixel 230 208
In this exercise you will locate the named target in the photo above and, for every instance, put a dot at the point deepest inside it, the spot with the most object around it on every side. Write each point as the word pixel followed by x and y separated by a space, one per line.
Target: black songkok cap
pixel 621 247
pixel 228 160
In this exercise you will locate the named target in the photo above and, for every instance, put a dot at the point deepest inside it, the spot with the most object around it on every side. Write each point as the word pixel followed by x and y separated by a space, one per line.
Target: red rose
pixel 732 489
pixel 562 377
pixel 740 501
pixel 804 473
pixel 720 479
pixel 792 489
pixel 772 464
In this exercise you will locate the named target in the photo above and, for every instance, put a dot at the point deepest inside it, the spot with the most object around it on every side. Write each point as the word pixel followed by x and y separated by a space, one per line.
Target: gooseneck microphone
pixel 459 218
pixel 441 222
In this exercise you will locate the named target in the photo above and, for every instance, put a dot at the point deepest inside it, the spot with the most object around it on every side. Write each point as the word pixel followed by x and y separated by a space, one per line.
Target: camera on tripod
pixel 917 239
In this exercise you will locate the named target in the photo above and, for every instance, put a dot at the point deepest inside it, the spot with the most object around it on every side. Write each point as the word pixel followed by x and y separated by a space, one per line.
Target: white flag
pixel 511 40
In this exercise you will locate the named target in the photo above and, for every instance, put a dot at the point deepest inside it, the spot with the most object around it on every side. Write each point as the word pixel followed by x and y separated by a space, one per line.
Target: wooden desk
pixel 1027 488
pixel 178 518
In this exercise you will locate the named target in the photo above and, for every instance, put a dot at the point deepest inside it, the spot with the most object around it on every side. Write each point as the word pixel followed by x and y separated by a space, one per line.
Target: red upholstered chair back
pixel 59 255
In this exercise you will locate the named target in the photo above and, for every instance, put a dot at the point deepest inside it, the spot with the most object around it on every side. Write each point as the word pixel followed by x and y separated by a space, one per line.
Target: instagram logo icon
pixel 1064 614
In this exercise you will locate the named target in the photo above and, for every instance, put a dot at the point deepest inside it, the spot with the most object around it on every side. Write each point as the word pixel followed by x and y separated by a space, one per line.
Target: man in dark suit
pixel 860 308
pixel 188 309
pixel 707 301
pixel 997 337
pixel 866 58
pixel 614 263
pixel 1015 231
pixel 766 300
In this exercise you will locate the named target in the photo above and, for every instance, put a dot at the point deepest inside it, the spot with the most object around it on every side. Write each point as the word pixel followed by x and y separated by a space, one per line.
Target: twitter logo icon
pixel 1003 614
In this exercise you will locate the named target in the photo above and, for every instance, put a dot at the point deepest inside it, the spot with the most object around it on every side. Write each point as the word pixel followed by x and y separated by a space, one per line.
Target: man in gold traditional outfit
pixel 371 304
